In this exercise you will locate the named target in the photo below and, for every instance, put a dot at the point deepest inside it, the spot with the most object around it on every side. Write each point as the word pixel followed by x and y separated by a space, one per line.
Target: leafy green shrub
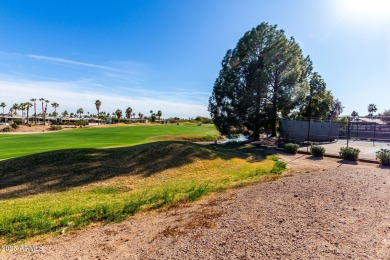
pixel 349 153
pixel 291 148
pixel 7 129
pixel 18 122
pixel 383 155
pixel 14 125
pixel 55 127
pixel 278 167
pixel 317 150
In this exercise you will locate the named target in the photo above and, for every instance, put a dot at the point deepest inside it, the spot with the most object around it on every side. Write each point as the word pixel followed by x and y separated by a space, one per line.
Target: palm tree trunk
pixel 35 113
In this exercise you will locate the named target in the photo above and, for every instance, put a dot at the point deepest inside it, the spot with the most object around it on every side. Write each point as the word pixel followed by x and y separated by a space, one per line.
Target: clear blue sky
pixel 165 55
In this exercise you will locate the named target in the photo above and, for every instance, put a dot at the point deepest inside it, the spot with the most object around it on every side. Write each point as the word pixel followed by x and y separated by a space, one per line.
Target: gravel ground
pixel 335 212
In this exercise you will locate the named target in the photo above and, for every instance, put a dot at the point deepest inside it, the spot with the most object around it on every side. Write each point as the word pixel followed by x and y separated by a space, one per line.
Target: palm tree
pixel 42 100
pixel 22 107
pixel 103 115
pixel 98 104
pixel 133 115
pixel 129 110
pixel 118 114
pixel 354 114
pixel 45 111
pixel 28 106
pixel 15 108
pixel 371 110
pixel 3 105
pixel 80 111
pixel 153 117
pixel 35 108
pixel 55 105
pixel 65 113
pixel 159 114
pixel 140 115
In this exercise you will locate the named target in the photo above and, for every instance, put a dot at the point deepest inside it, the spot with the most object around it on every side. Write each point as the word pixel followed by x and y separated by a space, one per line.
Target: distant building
pixel 369 120
pixel 7 119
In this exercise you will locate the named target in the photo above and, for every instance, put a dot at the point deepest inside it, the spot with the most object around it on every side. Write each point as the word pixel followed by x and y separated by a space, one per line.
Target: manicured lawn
pixel 98 137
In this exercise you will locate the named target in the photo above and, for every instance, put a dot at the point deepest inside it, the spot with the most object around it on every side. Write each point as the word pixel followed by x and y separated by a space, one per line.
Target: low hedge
pixel 383 155
pixel 317 150
pixel 7 129
pixel 291 148
pixel 349 153
pixel 55 127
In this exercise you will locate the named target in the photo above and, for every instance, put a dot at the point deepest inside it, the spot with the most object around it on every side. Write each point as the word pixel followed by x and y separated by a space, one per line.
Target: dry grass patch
pixel 66 190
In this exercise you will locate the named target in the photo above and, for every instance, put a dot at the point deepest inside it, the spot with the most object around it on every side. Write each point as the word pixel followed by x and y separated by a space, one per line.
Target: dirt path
pixel 332 210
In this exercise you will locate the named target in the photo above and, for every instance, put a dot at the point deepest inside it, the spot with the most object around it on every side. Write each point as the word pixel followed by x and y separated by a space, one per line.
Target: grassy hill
pixel 98 137
pixel 50 192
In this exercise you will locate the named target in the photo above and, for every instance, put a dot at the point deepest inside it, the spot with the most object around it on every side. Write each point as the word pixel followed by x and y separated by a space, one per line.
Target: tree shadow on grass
pixel 241 150
pixel 54 171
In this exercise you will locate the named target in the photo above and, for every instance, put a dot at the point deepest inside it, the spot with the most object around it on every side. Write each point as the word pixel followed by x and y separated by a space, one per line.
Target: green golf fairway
pixel 98 137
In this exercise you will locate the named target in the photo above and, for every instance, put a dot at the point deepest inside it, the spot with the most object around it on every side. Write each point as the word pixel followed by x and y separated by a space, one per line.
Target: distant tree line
pixel 29 110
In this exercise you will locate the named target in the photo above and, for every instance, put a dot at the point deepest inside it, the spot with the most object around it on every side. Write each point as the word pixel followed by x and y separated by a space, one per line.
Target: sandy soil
pixel 320 209
pixel 28 130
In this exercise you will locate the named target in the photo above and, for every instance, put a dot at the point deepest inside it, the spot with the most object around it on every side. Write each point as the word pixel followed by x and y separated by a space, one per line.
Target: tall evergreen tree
pixel 318 103
pixel 263 76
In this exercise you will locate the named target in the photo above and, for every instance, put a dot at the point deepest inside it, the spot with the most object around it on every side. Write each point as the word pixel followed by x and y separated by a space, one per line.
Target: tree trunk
pixel 274 116
pixel 256 133
pixel 274 105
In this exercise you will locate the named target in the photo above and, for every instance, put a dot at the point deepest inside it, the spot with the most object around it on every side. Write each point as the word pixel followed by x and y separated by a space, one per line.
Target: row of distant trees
pixel 30 108
pixel 27 106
